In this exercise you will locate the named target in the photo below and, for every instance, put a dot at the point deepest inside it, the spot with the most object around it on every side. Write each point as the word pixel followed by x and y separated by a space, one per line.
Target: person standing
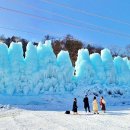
pixel 95 105
pixel 75 106
pixel 103 104
pixel 86 103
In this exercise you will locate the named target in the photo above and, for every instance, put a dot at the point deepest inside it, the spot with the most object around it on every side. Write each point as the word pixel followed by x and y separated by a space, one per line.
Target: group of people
pixel 87 107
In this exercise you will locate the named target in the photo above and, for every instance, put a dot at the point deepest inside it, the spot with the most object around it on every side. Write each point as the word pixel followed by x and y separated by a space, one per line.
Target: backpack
pixel 67 112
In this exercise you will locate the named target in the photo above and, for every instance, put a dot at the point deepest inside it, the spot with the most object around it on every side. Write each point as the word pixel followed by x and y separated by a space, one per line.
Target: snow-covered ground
pixel 46 112
pixel 22 119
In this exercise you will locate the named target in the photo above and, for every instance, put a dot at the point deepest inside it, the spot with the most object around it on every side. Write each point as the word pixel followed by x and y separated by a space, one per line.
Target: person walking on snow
pixel 86 103
pixel 103 104
pixel 95 105
pixel 75 106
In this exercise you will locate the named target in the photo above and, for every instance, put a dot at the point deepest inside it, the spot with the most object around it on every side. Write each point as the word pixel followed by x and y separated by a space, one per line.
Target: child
pixel 95 105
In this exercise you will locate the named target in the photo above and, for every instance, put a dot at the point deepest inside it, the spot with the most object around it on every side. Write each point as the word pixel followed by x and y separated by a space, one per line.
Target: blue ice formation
pixel 66 70
pixel 127 61
pixel 46 79
pixel 108 66
pixel 98 67
pixel 31 69
pixel 17 66
pixel 4 68
pixel 84 70
pixel 41 71
pixel 122 71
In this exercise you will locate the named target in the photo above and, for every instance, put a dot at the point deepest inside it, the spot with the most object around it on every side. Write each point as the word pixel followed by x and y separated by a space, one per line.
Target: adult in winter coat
pixel 75 106
pixel 103 104
pixel 95 105
pixel 86 103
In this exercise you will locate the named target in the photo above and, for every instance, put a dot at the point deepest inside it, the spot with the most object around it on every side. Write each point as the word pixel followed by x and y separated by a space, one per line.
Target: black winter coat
pixel 74 106
pixel 86 102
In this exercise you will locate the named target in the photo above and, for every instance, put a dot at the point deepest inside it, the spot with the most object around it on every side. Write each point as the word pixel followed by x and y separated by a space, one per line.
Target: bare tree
pixel 115 50
pixel 128 50
pixel 2 38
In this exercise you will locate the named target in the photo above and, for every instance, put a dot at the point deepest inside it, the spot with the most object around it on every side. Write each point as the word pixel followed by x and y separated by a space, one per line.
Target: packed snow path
pixel 21 119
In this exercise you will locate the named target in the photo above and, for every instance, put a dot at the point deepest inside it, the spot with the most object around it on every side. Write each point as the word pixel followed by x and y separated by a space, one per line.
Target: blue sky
pixel 37 28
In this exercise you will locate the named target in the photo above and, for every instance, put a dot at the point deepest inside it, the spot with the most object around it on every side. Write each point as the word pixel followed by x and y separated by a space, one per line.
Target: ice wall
pixel 127 62
pixel 66 70
pixel 31 69
pixel 84 70
pixel 4 68
pixel 108 66
pixel 31 58
pixel 17 70
pixel 41 72
pixel 122 71
pixel 98 67
pixel 47 70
